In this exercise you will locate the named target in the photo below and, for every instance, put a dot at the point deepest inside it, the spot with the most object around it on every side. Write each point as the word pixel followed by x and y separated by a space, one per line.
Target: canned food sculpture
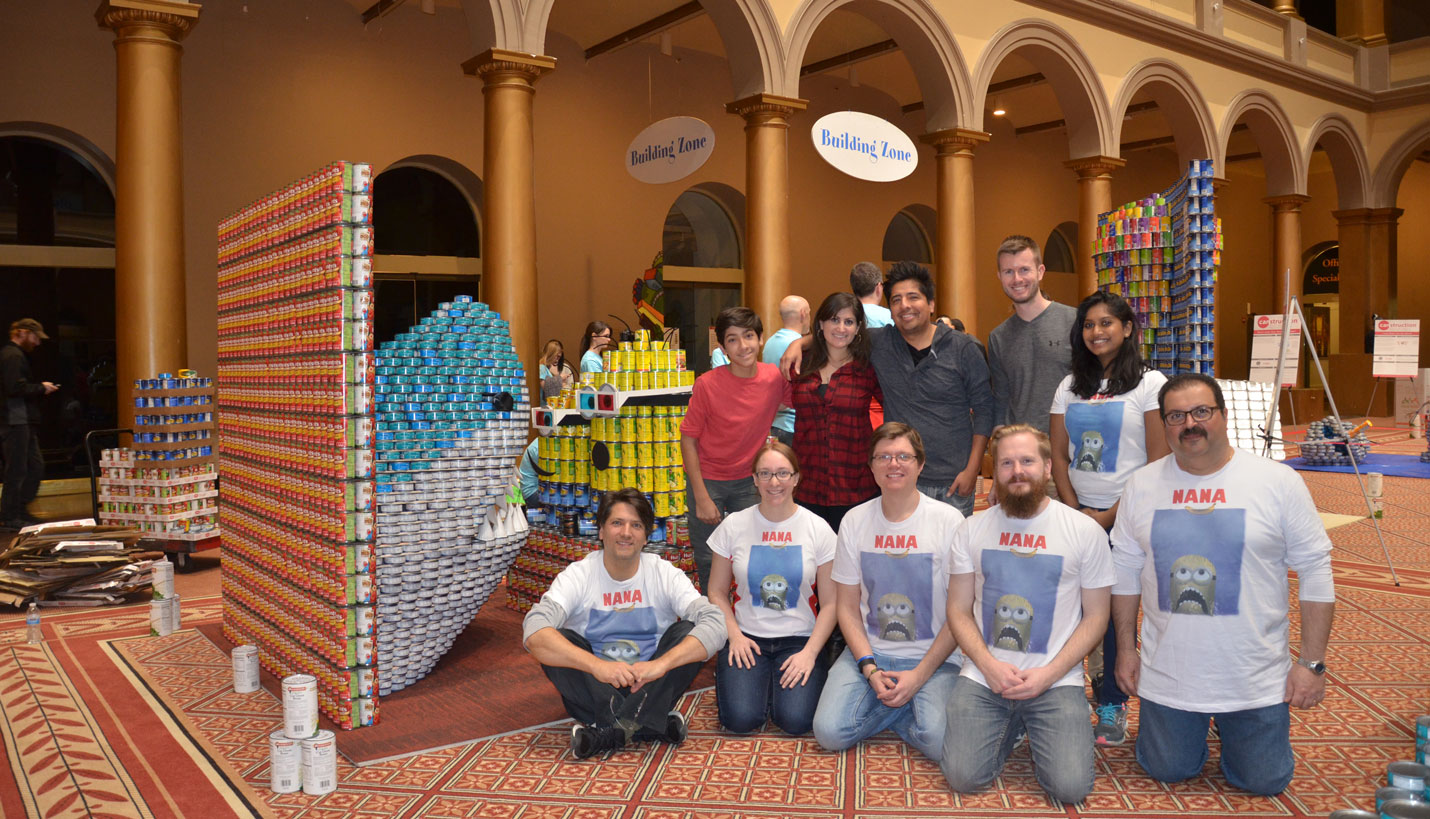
pixel 1330 442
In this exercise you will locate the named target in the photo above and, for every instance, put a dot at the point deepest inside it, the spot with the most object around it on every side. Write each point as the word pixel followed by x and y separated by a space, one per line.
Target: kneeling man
pixel 1030 585
pixel 622 633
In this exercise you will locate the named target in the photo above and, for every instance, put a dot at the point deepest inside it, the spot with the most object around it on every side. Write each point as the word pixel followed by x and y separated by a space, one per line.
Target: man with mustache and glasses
pixel 1203 542
pixel 1029 588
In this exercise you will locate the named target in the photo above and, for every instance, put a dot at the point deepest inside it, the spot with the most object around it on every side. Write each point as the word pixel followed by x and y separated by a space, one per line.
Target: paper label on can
pixel 161 618
pixel 285 763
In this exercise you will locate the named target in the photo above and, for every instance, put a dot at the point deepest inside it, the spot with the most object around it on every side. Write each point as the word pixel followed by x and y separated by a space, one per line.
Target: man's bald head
pixel 794 314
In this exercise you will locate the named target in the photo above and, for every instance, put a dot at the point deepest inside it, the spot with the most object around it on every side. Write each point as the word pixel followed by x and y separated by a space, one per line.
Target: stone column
pixel 1286 7
pixel 1094 183
pixel 509 210
pixel 1361 21
pixel 956 277
pixel 1286 254
pixel 151 331
pixel 1368 260
pixel 767 260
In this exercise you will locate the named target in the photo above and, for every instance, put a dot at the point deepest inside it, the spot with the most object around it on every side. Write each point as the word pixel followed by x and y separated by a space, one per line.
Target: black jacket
pixel 21 396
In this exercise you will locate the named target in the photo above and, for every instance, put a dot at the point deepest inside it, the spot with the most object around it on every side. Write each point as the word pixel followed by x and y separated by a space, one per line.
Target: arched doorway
pixel 57 266
pixel 909 236
pixel 701 246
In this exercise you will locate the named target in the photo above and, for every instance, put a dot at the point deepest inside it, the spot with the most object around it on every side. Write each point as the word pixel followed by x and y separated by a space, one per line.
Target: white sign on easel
pixel 1265 339
pixel 1397 348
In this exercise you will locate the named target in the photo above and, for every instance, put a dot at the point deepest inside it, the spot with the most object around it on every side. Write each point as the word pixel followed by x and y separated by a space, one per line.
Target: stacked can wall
pixel 1161 254
pixel 295 425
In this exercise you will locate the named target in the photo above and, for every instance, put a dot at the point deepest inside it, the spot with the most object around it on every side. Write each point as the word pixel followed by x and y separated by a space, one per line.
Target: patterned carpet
pixel 103 720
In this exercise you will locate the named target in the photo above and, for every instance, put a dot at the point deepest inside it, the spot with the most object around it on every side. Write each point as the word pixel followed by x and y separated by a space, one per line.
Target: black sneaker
pixel 675 729
pixel 589 740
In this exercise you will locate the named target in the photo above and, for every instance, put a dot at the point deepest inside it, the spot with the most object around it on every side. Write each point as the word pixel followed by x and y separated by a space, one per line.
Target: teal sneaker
pixel 1111 727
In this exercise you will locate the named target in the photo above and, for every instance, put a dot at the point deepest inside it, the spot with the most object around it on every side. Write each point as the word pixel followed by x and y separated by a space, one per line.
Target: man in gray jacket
pixel 621 634
pixel 1030 353
pixel 19 422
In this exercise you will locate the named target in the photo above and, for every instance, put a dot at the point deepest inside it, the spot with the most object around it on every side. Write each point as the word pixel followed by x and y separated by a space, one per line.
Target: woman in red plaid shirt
pixel 831 398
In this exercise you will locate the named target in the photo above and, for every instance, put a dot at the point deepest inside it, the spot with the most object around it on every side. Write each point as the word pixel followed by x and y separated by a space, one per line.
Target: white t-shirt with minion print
pixel 623 620
pixel 1107 436
pixel 1028 580
pixel 1209 555
pixel 901 569
pixel 774 566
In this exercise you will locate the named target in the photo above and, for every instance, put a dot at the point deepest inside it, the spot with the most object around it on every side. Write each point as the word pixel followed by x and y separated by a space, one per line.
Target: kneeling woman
pixel 774 551
pixel 621 634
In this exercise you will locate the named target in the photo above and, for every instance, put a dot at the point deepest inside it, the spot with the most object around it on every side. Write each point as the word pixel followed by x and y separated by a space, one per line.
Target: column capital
pixel 1287 203
pixel 1367 216
pixel 762 106
pixel 955 140
pixel 174 18
pixel 1088 167
pixel 1219 183
pixel 499 62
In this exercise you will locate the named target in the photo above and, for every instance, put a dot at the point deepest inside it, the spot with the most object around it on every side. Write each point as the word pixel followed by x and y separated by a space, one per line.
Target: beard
pixel 1022 504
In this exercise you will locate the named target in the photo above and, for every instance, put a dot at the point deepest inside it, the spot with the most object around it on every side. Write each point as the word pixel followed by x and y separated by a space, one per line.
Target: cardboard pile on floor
pixel 74 563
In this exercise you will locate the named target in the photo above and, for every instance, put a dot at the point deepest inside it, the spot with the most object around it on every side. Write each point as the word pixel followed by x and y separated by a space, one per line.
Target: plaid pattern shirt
pixel 831 436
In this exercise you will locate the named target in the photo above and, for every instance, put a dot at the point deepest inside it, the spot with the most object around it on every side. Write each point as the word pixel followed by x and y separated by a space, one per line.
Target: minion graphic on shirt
pixel 625 635
pixel 1019 594
pixel 1094 432
pixel 900 595
pixel 774 576
pixel 1196 555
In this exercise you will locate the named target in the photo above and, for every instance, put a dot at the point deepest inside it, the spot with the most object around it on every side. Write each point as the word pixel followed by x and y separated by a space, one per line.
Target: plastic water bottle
pixel 32 625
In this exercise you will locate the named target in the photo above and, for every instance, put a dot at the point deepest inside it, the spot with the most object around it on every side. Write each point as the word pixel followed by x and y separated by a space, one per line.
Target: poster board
pixel 1397 348
pixel 1265 338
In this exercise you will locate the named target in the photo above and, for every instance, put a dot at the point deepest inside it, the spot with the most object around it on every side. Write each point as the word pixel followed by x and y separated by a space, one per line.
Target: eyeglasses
pixel 1176 418
pixel 900 458
pixel 765 476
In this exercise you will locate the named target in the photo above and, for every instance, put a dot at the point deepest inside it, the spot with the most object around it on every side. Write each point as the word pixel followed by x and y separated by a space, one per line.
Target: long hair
pixel 818 355
pixel 592 329
pixel 1125 371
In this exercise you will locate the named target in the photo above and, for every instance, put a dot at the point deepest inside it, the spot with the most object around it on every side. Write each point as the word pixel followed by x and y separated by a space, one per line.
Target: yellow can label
pixel 662 504
pixel 645 480
pixel 660 454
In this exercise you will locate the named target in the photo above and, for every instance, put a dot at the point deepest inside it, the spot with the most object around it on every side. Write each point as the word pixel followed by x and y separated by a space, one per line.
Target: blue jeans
pixel 729 496
pixel 849 711
pixel 746 695
pixel 1255 745
pixel 936 490
pixel 982 726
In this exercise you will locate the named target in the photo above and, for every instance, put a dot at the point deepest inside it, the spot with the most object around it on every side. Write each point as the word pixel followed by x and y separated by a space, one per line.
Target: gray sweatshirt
pixel 936 396
pixel 1028 360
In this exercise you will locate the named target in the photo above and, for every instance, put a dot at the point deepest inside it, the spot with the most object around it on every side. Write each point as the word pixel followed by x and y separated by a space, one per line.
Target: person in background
pixel 1030 583
pixel 774 551
pixel 1203 542
pixel 553 363
pixel 621 634
pixel 596 339
pixel 1104 425
pixel 794 316
pixel 1028 353
pixel 19 423
pixel 527 473
pixel 831 397
pixel 891 576
pixel 866 281
pixel 729 417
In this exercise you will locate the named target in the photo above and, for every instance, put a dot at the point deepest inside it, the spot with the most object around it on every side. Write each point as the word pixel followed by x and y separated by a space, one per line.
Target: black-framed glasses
pixel 1176 418
pixel 765 475
pixel 900 458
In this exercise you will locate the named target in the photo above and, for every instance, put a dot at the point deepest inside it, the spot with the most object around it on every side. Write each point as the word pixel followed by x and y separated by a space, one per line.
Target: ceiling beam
pixel 1024 81
pixel 849 57
pixel 1053 125
pixel 649 28
pixel 378 9
pixel 1159 142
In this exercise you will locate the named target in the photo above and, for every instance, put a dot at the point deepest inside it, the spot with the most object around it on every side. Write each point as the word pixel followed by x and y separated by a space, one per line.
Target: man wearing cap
pixel 19 422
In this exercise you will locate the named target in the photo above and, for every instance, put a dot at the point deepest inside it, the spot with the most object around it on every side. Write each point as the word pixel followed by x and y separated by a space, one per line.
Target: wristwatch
pixel 1316 666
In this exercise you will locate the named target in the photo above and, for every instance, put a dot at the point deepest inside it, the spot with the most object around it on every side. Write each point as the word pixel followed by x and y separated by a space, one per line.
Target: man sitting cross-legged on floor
pixel 1030 587
pixel 621 634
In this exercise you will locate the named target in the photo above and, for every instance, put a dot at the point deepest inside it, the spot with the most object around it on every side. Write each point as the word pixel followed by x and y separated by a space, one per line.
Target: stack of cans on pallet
pixel 1161 254
pixel 295 396
pixel 452 410
pixel 168 500
pixel 1326 443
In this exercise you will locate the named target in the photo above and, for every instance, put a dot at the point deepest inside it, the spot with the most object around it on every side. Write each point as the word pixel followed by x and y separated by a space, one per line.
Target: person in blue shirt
pixel 527 470
pixel 794 316
pixel 866 282
pixel 596 338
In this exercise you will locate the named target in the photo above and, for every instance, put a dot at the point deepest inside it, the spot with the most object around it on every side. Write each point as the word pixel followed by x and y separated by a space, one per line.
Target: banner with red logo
pixel 1265 339
pixel 1397 348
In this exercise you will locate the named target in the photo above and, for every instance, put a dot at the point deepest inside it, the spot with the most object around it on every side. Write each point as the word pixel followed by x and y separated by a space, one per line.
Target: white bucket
pixel 161 618
pixel 245 669
pixel 320 764
pixel 285 763
pixel 300 706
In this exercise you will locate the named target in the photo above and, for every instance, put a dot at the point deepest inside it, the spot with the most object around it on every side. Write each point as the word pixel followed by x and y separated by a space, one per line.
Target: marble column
pixel 509 210
pixel 956 277
pixel 151 327
pixel 767 257
pixel 1094 183
pixel 1368 261
pixel 1286 251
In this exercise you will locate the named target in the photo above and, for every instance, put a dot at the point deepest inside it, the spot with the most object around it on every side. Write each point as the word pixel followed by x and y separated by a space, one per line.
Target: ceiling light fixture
pixel 666 46
pixel 998 109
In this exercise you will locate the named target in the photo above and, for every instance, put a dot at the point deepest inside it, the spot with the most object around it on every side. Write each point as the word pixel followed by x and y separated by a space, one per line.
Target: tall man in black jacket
pixel 19 422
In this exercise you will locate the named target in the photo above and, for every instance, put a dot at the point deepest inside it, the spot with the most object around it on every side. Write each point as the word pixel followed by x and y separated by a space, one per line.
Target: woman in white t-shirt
pixel 774 552
pixel 1104 425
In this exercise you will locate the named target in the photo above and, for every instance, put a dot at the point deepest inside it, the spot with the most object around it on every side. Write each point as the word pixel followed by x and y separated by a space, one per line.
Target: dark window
pixel 698 233
pixel 416 212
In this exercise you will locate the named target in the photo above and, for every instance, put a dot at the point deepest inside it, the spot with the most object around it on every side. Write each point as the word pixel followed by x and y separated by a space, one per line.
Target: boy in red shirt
pixel 729 418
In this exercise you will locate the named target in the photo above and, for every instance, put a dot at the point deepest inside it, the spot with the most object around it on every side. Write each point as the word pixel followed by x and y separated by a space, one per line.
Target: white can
pixel 1374 484
pixel 285 763
pixel 161 573
pixel 300 706
pixel 245 669
pixel 161 618
pixel 320 764
pixel 175 617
